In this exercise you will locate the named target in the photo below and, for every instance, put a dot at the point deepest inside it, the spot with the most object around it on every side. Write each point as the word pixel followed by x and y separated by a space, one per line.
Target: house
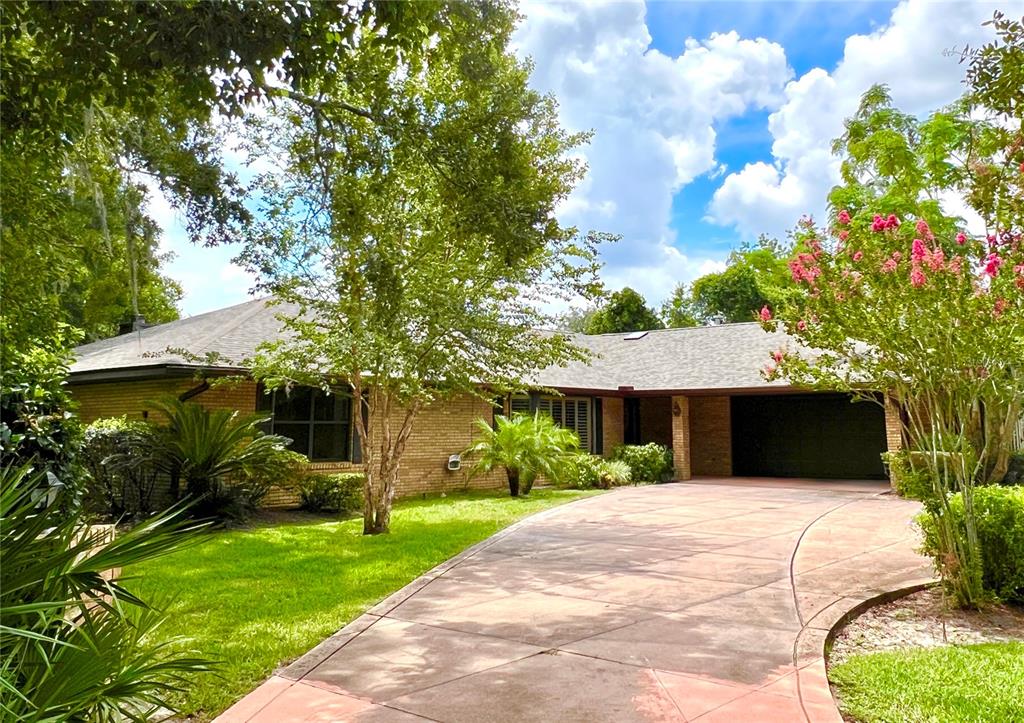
pixel 697 390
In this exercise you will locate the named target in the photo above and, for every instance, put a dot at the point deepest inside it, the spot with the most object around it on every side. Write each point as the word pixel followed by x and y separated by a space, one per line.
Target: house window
pixel 568 412
pixel 319 424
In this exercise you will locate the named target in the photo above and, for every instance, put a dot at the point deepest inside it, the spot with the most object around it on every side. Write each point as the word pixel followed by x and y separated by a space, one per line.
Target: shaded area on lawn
pixel 255 598
pixel 976 683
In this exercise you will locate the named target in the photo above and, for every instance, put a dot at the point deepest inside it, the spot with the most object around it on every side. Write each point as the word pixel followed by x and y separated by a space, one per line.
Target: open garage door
pixel 807 435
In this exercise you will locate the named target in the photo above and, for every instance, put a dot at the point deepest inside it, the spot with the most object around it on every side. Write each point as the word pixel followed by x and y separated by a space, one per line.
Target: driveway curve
pixel 706 601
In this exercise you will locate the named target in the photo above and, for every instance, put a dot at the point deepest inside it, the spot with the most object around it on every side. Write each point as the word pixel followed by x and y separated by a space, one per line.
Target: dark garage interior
pixel 807 435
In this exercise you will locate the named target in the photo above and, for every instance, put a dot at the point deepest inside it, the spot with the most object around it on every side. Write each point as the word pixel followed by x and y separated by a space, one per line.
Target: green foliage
pixel 37 427
pixel 119 457
pixel 624 311
pixel 756 276
pixel 587 471
pixel 226 463
pixel 76 644
pixel 526 446
pixel 647 462
pixel 256 598
pixel 900 298
pixel 998 514
pixel 950 683
pixel 341 492
pixel 412 226
pixel 909 480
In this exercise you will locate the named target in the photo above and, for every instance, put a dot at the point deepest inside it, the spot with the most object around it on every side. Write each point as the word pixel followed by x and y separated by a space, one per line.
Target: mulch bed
pixel 924 620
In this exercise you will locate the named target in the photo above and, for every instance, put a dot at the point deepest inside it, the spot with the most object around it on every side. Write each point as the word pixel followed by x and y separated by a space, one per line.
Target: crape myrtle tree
pixel 410 225
pixel 900 296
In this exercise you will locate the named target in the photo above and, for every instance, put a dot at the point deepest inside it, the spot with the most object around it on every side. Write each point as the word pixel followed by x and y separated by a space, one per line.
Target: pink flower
pixel 1019 269
pixel 956 265
pixel 843 235
pixel 897 255
pixel 770 370
pixel 917 277
pixel 961 238
pixel 888 267
pixel 801 325
pixel 766 313
pixel 918 251
pixel 992 264
pixel 805 268
pixel 999 307
pixel 877 223
pixel 924 230
pixel 992 240
pixel 937 260
pixel 843 217
pixel 858 256
pixel 892 221
pixel 777 356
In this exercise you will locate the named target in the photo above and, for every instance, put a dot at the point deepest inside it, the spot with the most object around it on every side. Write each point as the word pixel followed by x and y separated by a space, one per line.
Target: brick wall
pixel 710 436
pixel 439 430
pixel 893 426
pixel 681 437
pixel 612 424
pixel 656 420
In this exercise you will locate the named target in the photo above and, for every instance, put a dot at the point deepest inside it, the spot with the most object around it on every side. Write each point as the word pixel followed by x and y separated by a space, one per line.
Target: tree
pixel 901 298
pixel 756 276
pixel 624 311
pixel 81 127
pixel 412 223
pixel 527 447
pixel 679 309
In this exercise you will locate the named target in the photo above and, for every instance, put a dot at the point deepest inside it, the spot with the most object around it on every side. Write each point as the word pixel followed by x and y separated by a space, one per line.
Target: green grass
pixel 967 684
pixel 255 598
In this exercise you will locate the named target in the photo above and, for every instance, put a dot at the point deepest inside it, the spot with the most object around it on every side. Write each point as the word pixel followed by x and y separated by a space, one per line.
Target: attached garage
pixel 807 435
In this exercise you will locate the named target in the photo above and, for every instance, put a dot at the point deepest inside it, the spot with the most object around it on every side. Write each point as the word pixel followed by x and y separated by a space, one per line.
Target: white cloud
pixel 910 54
pixel 653 117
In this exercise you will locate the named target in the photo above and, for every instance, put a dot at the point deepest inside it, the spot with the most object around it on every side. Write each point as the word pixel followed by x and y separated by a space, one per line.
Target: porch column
pixel 893 426
pixel 681 436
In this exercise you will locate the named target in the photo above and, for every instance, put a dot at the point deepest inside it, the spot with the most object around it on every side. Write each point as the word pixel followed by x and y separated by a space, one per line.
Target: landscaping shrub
pixel 613 473
pixel 527 447
pixel 118 457
pixel 586 471
pixel 78 646
pixel 342 492
pixel 227 464
pixel 999 516
pixel 647 462
pixel 908 479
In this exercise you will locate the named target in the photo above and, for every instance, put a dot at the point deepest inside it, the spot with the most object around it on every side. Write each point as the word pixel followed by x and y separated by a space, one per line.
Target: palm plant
pixel 75 644
pixel 525 446
pixel 222 456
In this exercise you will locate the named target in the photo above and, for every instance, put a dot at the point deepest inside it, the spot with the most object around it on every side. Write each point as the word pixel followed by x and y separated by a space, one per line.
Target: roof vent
pixel 633 336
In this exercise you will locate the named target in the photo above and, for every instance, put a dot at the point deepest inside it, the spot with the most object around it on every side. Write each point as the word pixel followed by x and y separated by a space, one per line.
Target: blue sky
pixel 712 120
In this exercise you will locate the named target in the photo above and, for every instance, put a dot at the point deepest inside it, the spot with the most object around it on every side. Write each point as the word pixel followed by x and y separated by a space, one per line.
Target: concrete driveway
pixel 707 601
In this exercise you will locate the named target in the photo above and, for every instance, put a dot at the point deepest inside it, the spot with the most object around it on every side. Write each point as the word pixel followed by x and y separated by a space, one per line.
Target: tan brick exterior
pixel 656 420
pixel 612 424
pixel 893 426
pixel 439 430
pixel 710 436
pixel 681 437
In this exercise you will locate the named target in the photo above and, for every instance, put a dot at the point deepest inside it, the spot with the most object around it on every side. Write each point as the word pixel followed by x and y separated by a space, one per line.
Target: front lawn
pixel 970 683
pixel 255 598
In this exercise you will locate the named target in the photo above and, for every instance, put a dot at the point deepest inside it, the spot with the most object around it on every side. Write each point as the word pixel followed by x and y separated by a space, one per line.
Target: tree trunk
pixel 513 482
pixel 381 465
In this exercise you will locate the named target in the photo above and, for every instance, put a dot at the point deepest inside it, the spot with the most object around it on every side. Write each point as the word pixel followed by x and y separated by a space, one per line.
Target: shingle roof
pixel 729 356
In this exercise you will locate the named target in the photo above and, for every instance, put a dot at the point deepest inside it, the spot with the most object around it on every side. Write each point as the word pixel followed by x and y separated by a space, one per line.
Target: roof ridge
pixel 676 328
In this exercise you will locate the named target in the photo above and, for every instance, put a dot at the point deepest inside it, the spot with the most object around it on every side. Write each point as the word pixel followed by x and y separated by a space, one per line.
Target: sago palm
pixel 527 447
pixel 205 447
